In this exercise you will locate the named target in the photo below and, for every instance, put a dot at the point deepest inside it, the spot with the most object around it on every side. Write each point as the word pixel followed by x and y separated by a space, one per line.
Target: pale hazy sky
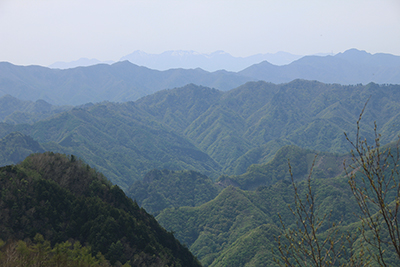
pixel 45 31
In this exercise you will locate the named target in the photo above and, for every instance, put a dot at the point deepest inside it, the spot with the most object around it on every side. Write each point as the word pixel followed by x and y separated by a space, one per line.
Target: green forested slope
pixel 15 147
pixel 218 227
pixel 213 226
pixel 258 155
pixel 120 140
pixel 308 114
pixel 251 249
pixel 40 252
pixel 62 198
pixel 181 106
pixel 327 165
pixel 215 132
pixel 16 111
pixel 238 227
pixel 166 189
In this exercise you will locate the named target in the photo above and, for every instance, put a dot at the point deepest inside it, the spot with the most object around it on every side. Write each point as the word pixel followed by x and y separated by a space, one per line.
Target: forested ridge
pixel 62 199
pixel 214 132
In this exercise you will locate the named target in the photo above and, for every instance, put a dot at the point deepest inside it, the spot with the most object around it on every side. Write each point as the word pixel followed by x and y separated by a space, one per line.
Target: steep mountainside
pixel 216 132
pixel 15 147
pixel 305 113
pixel 64 199
pixel 167 189
pixel 215 229
pixel 327 165
pixel 120 140
pixel 240 227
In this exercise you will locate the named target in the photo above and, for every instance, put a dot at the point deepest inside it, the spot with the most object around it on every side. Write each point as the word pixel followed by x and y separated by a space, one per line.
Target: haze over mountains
pixel 124 81
pixel 175 158
pixel 350 67
pixel 218 60
pixel 82 62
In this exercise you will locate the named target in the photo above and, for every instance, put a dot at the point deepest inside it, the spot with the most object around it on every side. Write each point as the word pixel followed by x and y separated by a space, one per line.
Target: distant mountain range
pixel 82 62
pixel 124 81
pixel 119 82
pixel 218 60
pixel 350 67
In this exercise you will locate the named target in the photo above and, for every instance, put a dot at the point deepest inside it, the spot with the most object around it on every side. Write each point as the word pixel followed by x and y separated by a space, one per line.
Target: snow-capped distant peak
pixel 181 53
pixel 139 53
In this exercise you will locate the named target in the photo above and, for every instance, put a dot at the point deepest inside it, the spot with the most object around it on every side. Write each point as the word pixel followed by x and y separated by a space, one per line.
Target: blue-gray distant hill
pixel 82 62
pixel 16 111
pixel 119 82
pixel 351 67
pixel 218 60
pixel 124 81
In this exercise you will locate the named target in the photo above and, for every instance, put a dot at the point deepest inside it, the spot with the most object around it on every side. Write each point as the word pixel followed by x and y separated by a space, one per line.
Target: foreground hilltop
pixel 63 199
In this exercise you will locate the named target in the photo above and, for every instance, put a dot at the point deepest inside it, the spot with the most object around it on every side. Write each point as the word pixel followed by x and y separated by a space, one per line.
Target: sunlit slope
pixel 239 227
pixel 215 230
